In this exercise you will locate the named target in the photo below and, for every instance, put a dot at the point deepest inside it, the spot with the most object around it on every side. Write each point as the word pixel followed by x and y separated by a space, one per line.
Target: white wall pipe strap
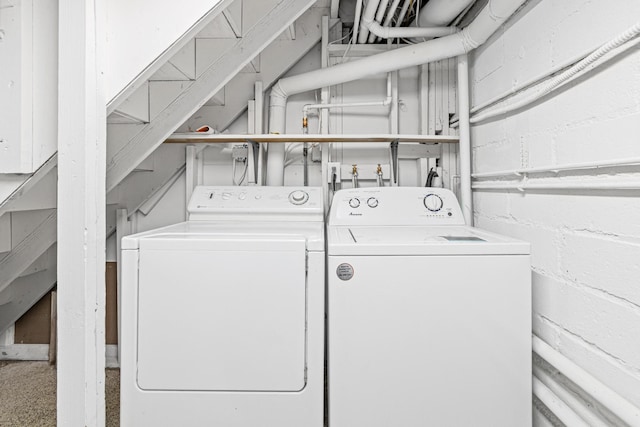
pixel 631 161
pixel 494 14
pixel 617 404
pixel 561 78
pixel 556 405
pixel 466 197
pixel 368 15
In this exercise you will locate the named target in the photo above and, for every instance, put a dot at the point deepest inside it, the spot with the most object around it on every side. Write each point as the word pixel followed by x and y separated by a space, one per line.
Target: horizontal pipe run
pixel 383 103
pixel 556 405
pixel 197 138
pixel 492 16
pixel 583 66
pixel 620 185
pixel 611 400
pixel 406 32
pixel 568 397
pixel 560 168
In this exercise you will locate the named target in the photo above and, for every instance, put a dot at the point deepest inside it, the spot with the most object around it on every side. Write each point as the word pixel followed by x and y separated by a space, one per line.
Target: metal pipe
pixel 494 14
pixel 563 77
pixel 617 404
pixel 379 177
pixel 436 13
pixel 466 196
pixel 568 397
pixel 392 12
pixel 581 185
pixel 354 176
pixel 403 12
pixel 356 22
pixel 556 405
pixel 559 168
pixel 368 15
pixel 382 8
pixel 406 32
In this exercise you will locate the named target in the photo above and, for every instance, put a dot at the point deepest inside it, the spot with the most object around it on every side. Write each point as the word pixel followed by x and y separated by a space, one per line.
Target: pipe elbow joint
pixel 278 92
pixel 467 41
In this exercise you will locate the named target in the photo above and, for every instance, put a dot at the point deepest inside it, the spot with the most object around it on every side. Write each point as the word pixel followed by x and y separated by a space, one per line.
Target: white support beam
pixel 28 250
pixel 82 126
pixel 25 291
pixel 28 184
pixel 211 81
pixel 241 86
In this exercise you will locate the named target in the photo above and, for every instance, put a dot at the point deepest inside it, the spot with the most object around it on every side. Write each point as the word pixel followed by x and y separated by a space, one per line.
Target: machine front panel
pixel 429 341
pixel 224 317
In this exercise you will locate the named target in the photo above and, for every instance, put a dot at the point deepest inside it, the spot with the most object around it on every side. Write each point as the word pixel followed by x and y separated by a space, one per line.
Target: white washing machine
pixel 223 315
pixel 429 321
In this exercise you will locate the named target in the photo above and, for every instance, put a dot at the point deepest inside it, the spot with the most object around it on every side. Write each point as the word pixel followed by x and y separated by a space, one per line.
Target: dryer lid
pixel 191 232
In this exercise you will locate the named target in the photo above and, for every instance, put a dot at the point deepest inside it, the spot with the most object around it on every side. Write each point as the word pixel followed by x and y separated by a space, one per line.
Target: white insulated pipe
pixel 436 13
pixel 356 22
pixel 556 405
pixel 494 14
pixel 368 15
pixel 382 8
pixel 466 196
pixel 617 404
pixel 405 32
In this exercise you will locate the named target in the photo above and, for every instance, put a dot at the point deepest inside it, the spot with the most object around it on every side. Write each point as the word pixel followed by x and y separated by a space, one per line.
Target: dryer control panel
pixel 395 206
pixel 272 203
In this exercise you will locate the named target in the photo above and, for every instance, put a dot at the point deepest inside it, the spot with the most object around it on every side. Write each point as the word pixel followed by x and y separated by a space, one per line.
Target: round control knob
pixel 298 197
pixel 433 202
pixel 372 202
pixel 354 203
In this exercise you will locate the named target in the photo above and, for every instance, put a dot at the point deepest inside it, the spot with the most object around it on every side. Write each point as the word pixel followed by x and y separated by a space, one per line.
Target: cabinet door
pixel 222 314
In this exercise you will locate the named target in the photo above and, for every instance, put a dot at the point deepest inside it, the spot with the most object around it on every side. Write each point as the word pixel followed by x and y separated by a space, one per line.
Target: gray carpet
pixel 28 395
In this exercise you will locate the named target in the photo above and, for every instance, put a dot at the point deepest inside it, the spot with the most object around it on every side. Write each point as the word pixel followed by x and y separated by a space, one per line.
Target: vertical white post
pixel 466 197
pixel 81 213
pixel 325 93
pixel 191 174
pixel 259 125
pixel 123 228
pixel 259 106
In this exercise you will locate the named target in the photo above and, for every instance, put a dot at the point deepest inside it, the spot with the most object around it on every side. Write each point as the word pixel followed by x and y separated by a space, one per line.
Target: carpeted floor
pixel 28 395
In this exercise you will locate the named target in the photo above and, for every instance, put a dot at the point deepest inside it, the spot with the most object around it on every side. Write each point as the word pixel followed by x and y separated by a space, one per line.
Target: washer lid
pixel 190 232
pixel 416 240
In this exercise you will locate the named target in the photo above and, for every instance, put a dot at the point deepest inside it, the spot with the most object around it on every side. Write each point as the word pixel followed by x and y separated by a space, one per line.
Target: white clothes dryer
pixel 223 315
pixel 429 320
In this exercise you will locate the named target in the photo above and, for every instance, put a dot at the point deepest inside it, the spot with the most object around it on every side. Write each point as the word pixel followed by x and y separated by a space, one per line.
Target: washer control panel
pixel 395 206
pixel 210 203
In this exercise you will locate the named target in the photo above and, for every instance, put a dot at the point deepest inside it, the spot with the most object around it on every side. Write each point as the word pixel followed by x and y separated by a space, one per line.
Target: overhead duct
pixel 494 14
pixel 438 13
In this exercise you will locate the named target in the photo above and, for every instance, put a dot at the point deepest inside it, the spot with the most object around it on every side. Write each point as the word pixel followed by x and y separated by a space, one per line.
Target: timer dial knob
pixel 433 202
pixel 298 197
pixel 372 202
pixel 354 203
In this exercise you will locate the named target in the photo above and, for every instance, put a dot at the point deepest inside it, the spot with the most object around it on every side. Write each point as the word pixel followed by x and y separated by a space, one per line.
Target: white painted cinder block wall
pixel 585 245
